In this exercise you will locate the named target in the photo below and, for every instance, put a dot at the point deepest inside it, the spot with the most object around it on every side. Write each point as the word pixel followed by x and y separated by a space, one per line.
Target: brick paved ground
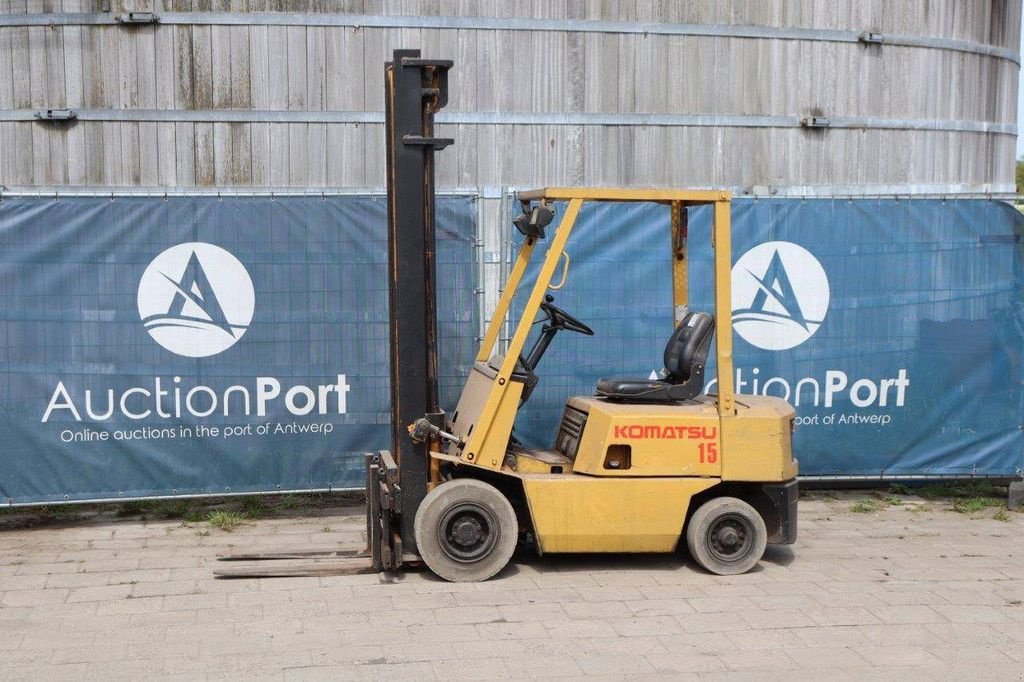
pixel 891 594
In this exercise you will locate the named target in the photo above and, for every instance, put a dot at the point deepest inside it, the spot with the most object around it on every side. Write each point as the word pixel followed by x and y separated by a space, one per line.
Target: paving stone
pixel 762 661
pixel 35 597
pixel 825 658
pixel 686 661
pixel 596 609
pixel 712 622
pixel 974 654
pixel 168 587
pixel 621 665
pixel 472 669
pixel 466 615
pixel 645 626
pixel 532 612
pixel 576 628
pixel 103 593
pixel 720 604
pixel 850 615
pixel 659 607
pixel 542 667
pixel 907 614
pixel 778 618
pixel 897 655
pixel 763 640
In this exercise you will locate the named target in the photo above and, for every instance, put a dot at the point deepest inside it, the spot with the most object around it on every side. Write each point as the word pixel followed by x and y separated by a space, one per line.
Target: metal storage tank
pixel 818 97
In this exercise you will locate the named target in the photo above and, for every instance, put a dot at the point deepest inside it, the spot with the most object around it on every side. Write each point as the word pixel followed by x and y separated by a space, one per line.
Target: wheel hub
pixel 730 538
pixel 468 532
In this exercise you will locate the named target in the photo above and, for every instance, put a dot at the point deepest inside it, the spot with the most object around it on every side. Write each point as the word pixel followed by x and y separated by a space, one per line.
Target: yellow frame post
pixel 723 305
pixel 680 283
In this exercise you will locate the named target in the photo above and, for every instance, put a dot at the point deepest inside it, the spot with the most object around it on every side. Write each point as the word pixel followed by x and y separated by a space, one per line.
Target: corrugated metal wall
pixel 243 94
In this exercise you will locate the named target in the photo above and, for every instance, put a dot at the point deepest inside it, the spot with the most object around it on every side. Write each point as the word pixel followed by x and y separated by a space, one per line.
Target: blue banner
pixel 190 345
pixel 895 328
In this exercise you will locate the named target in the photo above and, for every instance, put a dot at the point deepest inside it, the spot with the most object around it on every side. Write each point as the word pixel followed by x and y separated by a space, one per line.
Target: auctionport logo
pixel 780 295
pixel 196 299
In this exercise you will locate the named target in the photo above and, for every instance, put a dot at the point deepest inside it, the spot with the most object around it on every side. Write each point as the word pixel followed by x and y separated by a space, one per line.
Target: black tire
pixel 726 536
pixel 466 530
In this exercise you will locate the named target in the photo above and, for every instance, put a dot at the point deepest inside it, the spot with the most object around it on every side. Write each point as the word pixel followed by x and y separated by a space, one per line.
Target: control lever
pixel 422 430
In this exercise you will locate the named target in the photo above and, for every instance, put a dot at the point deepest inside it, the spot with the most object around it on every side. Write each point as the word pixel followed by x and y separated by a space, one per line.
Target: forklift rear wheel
pixel 466 530
pixel 726 536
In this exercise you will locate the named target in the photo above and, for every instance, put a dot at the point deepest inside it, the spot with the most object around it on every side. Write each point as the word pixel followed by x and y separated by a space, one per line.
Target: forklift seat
pixel 685 355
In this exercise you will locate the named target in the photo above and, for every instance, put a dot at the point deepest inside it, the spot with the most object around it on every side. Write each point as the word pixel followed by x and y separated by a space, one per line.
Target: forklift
pixel 635 467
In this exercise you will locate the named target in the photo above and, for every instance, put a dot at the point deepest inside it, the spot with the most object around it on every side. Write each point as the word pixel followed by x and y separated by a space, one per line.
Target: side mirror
pixel 533 220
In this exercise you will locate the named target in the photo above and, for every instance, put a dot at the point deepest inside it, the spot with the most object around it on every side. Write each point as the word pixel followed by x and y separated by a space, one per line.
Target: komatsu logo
pixel 780 295
pixel 666 432
pixel 196 299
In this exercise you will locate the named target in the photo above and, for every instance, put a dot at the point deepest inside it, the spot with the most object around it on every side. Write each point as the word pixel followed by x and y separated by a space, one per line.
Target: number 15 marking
pixel 708 453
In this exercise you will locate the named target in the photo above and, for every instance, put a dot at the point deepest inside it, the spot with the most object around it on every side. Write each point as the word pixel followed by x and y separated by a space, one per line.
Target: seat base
pixel 637 390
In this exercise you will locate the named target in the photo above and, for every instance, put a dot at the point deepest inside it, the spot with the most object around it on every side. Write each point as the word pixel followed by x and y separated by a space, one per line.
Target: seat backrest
pixel 688 343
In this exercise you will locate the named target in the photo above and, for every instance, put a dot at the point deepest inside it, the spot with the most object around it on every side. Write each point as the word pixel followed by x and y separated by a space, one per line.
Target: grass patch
pixel 260 506
pixel 253 507
pixel 290 502
pixel 326 529
pixel 894 501
pixel 227 521
pixel 865 506
pixel 972 505
pixel 130 509
pixel 156 509
pixel 964 489
pixel 60 511
pixel 1001 515
pixel 817 495
pixel 170 509
pixel 899 489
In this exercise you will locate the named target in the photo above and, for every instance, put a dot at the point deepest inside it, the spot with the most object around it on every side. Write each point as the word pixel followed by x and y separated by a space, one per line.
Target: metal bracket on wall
pixel 815 122
pixel 435 142
pixel 139 18
pixel 56 115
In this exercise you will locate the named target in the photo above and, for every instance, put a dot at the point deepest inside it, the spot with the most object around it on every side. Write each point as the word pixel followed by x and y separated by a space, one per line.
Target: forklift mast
pixel 414 90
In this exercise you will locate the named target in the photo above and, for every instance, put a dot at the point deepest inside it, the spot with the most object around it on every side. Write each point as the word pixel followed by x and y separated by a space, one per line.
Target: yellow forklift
pixel 636 466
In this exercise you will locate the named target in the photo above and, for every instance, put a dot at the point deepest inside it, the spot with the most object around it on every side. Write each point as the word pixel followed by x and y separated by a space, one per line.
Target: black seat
pixel 685 355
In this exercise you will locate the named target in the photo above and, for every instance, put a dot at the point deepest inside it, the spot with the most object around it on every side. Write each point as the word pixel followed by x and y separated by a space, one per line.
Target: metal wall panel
pixel 197 99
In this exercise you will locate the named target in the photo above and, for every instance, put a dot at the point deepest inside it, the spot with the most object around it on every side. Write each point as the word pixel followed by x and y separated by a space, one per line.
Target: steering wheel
pixel 560 319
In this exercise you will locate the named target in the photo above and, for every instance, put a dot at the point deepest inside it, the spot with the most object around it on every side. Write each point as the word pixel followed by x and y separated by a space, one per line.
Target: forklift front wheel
pixel 466 530
pixel 726 536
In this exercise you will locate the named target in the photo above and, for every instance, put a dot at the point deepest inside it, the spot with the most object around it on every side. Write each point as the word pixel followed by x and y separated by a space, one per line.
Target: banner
pixel 894 327
pixel 202 345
